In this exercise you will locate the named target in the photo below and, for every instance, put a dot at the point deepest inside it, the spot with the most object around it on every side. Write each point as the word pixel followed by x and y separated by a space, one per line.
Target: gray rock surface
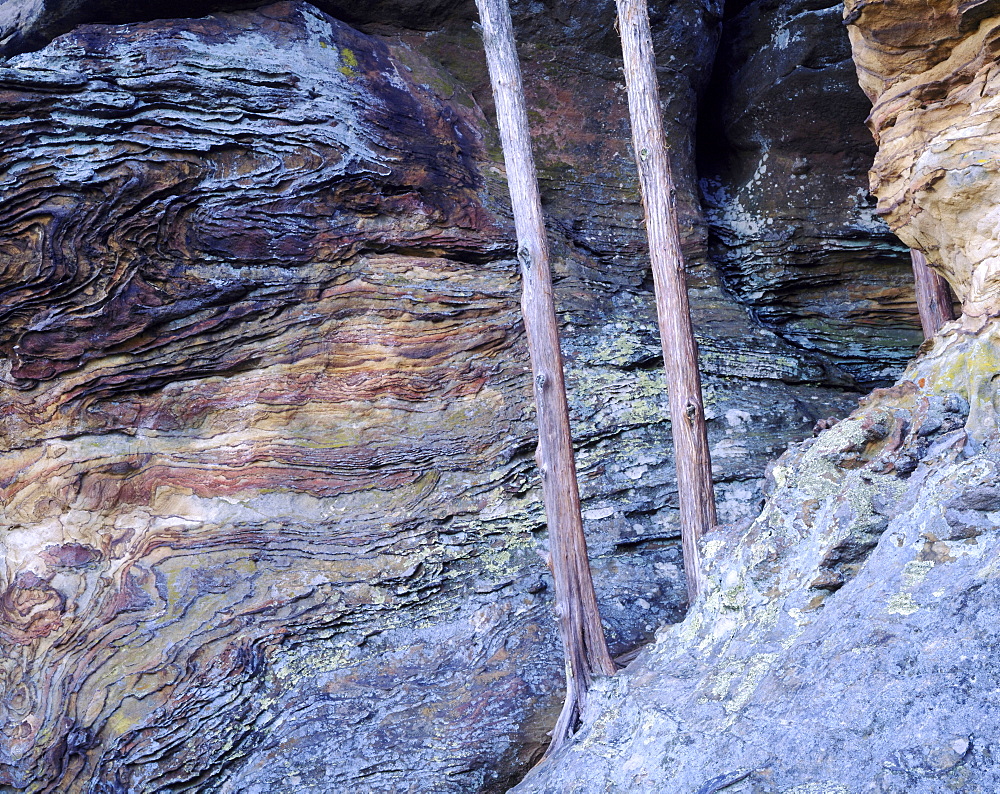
pixel 847 640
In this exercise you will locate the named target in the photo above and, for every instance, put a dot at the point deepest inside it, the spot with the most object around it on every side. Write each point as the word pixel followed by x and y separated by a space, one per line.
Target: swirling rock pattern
pixel 230 333
pixel 269 514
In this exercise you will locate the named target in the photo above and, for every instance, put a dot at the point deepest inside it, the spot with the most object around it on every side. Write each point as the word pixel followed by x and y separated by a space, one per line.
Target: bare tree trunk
pixel 576 603
pixel 934 299
pixel 680 353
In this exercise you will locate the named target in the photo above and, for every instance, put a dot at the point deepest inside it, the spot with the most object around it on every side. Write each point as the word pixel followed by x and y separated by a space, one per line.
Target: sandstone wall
pixel 930 71
pixel 269 512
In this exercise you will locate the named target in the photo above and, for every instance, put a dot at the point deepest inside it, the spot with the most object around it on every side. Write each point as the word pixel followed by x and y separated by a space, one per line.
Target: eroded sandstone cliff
pixel 932 78
pixel 269 511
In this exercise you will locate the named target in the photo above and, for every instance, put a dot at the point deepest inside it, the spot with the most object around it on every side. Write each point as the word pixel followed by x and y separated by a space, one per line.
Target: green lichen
pixel 711 548
pixel 915 571
pixel 691 627
pixel 902 604
pixel 618 350
pixel 721 681
pixel 735 597
pixel 756 668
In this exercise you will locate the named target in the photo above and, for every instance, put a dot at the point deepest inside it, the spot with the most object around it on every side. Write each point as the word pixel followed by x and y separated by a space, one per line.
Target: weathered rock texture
pixel 847 641
pixel 27 25
pixel 932 77
pixel 269 514
pixel 848 636
pixel 269 510
pixel 245 392
pixel 784 159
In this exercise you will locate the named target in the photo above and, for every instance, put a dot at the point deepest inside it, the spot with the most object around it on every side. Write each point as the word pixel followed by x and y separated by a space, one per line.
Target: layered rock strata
pixel 847 640
pixel 269 513
pixel 159 461
pixel 27 25
pixel 784 158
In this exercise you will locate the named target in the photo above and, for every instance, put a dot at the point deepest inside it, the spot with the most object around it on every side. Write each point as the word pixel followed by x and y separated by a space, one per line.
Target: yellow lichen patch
pixel 711 548
pixel 618 349
pixel 734 597
pixel 690 628
pixel 915 571
pixel 965 361
pixel 348 62
pixel 598 732
pixel 901 604
pixel 720 681
pixel 349 57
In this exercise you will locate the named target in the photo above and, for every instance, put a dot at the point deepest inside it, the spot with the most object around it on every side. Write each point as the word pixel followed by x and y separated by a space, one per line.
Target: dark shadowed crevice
pixel 783 155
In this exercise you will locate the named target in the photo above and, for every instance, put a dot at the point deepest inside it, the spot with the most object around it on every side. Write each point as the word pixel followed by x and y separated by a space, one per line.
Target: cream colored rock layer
pixel 931 72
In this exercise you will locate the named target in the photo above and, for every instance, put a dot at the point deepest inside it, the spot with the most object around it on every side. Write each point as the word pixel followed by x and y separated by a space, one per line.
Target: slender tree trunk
pixel 576 603
pixel 680 353
pixel 934 299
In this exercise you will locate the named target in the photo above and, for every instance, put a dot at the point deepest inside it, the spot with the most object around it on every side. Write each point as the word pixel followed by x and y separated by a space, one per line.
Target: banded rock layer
pixel 231 334
pixel 270 518
pixel 784 160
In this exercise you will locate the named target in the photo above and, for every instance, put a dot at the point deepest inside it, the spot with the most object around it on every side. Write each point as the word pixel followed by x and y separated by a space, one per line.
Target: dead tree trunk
pixel 934 300
pixel 680 353
pixel 576 603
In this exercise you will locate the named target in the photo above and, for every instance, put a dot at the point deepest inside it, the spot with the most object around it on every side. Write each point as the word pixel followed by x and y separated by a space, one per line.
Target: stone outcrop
pixel 847 639
pixel 932 78
pixel 249 403
pixel 28 25
pixel 269 512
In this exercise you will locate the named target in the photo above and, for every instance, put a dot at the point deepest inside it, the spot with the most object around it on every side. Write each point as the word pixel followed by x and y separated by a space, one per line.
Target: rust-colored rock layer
pixel 269 513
